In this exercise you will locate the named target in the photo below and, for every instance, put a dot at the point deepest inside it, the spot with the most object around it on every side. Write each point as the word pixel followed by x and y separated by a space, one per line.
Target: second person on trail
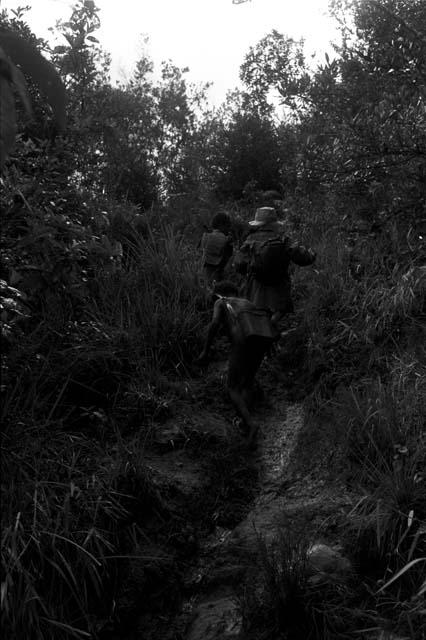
pixel 217 248
pixel 265 258
pixel 251 336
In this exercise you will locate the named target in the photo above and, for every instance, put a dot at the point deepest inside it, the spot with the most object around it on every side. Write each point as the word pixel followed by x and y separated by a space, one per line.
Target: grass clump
pixel 70 511
pixel 283 599
pixel 71 495
pixel 59 525
pixel 155 306
pixel 361 300
pixel 386 447
pixel 363 326
pixel 138 324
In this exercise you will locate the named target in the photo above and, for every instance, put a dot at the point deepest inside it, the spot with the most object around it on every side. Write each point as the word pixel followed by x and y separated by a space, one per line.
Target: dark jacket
pixel 275 297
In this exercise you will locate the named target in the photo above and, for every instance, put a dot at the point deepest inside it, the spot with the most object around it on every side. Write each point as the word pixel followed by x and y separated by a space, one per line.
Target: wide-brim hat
pixel 264 215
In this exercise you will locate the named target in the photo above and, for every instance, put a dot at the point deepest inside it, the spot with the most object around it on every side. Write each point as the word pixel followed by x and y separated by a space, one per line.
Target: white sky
pixel 210 37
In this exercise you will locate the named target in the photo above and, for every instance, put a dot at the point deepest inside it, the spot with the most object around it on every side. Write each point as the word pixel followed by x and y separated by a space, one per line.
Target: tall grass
pixel 157 304
pixel 359 303
pixel 60 520
pixel 364 323
pixel 286 601
pixel 386 443
pixel 138 323
pixel 70 508
pixel 277 602
pixel 62 504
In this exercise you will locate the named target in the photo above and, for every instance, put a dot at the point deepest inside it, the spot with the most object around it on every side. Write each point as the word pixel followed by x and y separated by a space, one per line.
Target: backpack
pixel 215 245
pixel 269 261
pixel 253 322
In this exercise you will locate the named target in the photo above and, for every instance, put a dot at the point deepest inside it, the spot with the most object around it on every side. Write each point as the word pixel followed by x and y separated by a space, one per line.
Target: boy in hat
pixel 251 335
pixel 273 294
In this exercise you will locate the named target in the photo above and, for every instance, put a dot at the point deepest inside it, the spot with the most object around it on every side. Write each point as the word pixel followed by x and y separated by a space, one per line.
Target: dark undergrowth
pixel 76 497
pixel 102 314
pixel 88 534
pixel 371 438
pixel 356 355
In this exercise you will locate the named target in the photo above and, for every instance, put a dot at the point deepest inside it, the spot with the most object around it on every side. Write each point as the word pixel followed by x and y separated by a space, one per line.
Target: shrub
pixel 140 321
pixel 66 502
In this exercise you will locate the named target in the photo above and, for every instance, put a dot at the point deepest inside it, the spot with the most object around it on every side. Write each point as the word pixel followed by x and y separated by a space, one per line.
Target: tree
pixel 19 57
pixel 366 131
pixel 241 146
pixel 276 62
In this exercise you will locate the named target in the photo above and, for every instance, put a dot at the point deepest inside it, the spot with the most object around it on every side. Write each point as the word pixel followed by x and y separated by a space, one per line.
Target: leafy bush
pixel 61 520
pixel 137 323
pixel 101 303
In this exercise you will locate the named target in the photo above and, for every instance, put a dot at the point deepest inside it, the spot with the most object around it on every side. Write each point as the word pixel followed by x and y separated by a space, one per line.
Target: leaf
pixel 42 72
pixel 21 86
pixel 92 39
pixel 7 119
pixel 74 631
pixel 401 572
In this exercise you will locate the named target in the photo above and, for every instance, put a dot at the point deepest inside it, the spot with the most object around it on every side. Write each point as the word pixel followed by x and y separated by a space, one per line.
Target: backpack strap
pixel 268 240
pixel 256 247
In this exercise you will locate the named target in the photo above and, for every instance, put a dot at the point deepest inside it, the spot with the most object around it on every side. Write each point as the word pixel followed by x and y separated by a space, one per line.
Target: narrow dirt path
pixel 227 554
pixel 284 500
pixel 287 502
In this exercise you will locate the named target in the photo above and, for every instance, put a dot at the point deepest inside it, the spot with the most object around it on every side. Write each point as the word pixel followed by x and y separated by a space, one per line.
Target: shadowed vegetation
pixel 102 314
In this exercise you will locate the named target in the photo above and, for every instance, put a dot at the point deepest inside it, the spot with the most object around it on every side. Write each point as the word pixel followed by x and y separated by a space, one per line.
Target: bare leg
pixel 239 403
pixel 244 361
pixel 237 398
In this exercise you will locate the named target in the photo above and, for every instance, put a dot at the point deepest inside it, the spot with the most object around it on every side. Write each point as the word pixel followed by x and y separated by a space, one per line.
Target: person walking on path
pixel 251 335
pixel 264 258
pixel 217 248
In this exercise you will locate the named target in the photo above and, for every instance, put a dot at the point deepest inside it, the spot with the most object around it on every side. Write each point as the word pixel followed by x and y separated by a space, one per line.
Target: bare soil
pixel 220 500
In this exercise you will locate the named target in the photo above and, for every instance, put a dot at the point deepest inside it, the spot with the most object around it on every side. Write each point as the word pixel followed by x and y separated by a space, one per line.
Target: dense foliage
pixel 101 306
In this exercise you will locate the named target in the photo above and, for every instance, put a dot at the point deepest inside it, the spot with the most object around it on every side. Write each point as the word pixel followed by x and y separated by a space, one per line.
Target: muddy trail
pixel 216 504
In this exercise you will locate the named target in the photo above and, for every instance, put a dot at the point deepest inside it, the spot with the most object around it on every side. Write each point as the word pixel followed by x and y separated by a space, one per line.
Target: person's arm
pixel 242 259
pixel 217 319
pixel 301 256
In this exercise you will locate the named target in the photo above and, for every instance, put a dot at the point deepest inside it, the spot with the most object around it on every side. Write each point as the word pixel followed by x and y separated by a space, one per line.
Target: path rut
pixel 216 613
pixel 286 501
